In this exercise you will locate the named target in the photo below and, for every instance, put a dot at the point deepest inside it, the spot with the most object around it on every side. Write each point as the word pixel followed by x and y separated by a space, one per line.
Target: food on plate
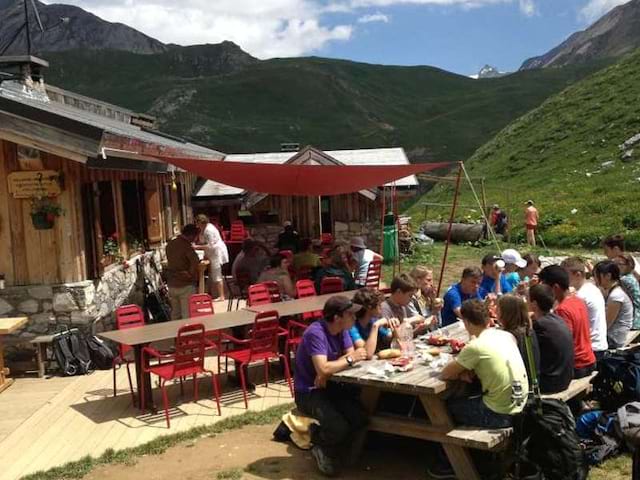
pixel 434 351
pixel 389 353
pixel 456 345
pixel 400 362
pixel 437 341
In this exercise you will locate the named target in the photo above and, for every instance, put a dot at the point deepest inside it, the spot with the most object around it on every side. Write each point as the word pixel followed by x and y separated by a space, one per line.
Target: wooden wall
pixel 29 256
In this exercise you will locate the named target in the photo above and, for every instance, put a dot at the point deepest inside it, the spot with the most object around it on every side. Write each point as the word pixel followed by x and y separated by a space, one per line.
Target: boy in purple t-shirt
pixel 326 349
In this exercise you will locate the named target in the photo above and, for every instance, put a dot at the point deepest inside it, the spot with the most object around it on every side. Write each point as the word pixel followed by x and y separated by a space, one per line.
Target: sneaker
pixel 325 464
pixel 441 471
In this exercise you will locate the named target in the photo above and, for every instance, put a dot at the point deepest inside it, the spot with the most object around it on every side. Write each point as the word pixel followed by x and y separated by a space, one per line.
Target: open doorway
pixel 326 219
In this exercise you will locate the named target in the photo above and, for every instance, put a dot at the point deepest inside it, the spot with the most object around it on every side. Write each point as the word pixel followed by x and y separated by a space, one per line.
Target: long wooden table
pixel 7 326
pixel 141 337
pixel 424 382
pixel 300 305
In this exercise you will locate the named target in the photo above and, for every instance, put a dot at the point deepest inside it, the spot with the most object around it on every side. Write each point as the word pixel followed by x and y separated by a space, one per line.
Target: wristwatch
pixel 350 360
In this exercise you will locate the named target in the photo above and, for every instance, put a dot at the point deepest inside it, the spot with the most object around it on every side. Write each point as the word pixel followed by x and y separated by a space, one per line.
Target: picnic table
pixel 140 337
pixel 299 305
pixel 423 381
pixel 7 326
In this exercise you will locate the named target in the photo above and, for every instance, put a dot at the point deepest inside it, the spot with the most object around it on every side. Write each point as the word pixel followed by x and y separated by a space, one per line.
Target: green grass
pixel 230 474
pixel 555 154
pixel 331 104
pixel 128 456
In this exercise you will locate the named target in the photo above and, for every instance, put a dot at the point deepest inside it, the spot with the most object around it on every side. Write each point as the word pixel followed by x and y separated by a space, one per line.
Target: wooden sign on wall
pixel 43 183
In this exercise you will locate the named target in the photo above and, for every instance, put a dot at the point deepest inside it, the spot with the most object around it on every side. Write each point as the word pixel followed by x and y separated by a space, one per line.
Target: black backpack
pixel 547 434
pixel 100 352
pixel 157 306
pixel 71 352
pixel 618 380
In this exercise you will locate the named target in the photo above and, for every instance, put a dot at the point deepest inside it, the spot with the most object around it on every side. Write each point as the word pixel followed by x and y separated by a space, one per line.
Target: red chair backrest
pixel 326 239
pixel 238 232
pixel 274 291
pixel 128 316
pixel 200 304
pixel 331 285
pixel 374 273
pixel 258 294
pixel 190 346
pixel 264 335
pixel 303 273
pixel 305 288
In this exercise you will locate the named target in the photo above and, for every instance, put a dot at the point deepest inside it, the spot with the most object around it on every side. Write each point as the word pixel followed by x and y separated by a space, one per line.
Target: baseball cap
pixel 338 305
pixel 513 256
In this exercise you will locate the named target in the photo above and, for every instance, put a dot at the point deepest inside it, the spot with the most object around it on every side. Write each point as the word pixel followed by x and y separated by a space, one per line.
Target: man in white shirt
pixel 362 257
pixel 592 296
pixel 215 250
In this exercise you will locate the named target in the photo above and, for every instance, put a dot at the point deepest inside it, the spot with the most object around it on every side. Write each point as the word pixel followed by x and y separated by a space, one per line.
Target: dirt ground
pixel 250 453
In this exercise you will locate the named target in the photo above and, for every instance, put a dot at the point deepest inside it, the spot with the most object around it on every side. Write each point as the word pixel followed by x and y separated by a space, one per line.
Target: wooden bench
pixel 495 439
pixel 40 344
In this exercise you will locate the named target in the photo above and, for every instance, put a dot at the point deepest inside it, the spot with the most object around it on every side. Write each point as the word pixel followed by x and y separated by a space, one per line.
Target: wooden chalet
pixel 311 215
pixel 94 162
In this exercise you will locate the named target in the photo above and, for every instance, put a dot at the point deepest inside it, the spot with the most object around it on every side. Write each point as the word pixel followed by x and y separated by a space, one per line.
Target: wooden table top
pixel 300 305
pixel 168 330
pixel 422 379
pixel 11 324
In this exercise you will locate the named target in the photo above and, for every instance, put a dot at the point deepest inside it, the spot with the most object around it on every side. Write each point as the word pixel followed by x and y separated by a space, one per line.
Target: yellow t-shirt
pixel 496 360
pixel 305 259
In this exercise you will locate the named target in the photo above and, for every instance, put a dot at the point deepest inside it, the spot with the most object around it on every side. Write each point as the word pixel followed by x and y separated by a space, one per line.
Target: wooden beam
pixel 6 259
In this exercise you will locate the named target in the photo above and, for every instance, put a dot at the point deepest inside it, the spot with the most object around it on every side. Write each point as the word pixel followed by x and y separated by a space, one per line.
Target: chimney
pixel 26 70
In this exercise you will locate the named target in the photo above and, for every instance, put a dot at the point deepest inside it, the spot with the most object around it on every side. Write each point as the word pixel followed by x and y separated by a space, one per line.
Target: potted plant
pixel 44 211
pixel 111 250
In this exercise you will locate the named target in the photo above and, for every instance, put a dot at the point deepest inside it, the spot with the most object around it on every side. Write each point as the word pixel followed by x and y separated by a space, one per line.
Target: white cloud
pixel 528 7
pixel 374 17
pixel 595 9
pixel 264 28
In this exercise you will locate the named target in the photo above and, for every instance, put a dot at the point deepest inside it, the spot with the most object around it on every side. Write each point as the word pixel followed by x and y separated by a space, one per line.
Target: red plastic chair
pixel 188 360
pixel 127 316
pixel 262 345
pixel 306 288
pixel 374 274
pixel 304 273
pixel 200 304
pixel 331 285
pixel 258 294
pixel 326 239
pixel 237 233
pixel 238 288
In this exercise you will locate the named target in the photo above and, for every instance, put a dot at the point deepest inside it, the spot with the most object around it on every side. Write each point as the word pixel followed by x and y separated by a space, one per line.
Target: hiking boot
pixel 324 463
pixel 441 471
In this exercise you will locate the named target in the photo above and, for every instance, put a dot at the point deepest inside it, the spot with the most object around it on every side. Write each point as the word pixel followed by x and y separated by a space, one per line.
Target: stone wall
pixel 50 307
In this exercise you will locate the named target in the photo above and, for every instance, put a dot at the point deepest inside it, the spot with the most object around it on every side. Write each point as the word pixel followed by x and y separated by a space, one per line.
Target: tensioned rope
pixel 492 234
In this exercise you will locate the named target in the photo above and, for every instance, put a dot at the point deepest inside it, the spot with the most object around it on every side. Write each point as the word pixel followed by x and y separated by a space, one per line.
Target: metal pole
pixel 384 205
pixel 27 29
pixel 320 215
pixel 453 212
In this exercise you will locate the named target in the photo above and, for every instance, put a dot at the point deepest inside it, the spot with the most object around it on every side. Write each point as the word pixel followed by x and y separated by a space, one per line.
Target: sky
pixel 456 35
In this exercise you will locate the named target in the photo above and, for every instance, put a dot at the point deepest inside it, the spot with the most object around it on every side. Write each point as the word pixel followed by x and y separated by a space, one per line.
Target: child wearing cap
pixel 327 348
pixel 513 262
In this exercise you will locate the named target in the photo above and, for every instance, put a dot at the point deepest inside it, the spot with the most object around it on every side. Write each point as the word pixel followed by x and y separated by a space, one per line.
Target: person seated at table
pixel 339 267
pixel 619 305
pixel 305 258
pixel 424 302
pixel 252 260
pixel 465 289
pixel 403 288
pixel 554 339
pixel 573 311
pixel 289 239
pixel 362 257
pixel 492 356
pixel 278 272
pixel 493 278
pixel 514 264
pixel 327 349
pixel 513 317
pixel 629 283
pixel 371 331
pixel 182 270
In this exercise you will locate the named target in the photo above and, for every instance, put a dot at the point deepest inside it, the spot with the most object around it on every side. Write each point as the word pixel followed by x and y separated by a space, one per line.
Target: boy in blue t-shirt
pixel 466 289
pixel 493 279
pixel 371 330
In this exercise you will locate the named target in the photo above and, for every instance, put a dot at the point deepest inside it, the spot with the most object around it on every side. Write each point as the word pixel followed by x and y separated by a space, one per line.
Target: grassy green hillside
pixel 254 106
pixel 565 156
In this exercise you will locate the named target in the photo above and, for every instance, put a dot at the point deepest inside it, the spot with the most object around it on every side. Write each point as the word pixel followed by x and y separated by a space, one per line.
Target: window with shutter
pixel 154 209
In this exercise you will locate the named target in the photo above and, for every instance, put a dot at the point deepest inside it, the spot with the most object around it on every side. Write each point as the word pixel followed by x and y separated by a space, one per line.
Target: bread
pixel 434 351
pixel 389 353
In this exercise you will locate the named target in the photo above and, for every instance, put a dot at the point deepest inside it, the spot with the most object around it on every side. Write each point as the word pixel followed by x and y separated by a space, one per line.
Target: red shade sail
pixel 301 180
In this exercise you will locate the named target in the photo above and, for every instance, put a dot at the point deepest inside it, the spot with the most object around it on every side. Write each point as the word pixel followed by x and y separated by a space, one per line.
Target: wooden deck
pixel 50 421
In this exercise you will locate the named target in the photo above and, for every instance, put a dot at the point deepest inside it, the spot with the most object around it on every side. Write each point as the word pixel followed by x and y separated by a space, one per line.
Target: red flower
pixel 50 217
